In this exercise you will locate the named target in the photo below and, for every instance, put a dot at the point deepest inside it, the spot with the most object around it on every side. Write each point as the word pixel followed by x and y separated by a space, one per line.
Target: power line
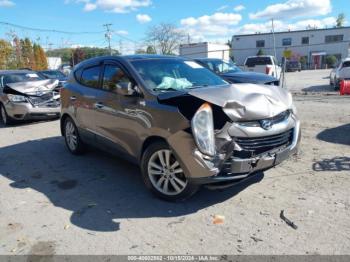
pixel 49 30
pixel 124 37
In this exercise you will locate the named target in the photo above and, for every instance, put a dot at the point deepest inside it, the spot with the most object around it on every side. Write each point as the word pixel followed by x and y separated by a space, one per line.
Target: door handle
pixel 98 105
pixel 73 98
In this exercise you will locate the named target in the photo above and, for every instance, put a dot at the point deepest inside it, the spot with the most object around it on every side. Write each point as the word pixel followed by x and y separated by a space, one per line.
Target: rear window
pixel 91 76
pixel 346 64
pixel 254 61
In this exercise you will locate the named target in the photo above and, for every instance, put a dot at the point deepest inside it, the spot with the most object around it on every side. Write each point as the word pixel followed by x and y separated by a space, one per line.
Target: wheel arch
pixel 150 140
pixel 62 120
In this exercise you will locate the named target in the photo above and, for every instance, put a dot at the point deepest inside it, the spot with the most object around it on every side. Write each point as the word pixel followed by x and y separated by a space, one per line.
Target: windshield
pixel 175 74
pixel 222 67
pixel 21 77
pixel 53 74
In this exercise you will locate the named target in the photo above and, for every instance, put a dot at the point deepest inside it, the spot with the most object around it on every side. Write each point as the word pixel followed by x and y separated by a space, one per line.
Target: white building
pixel 313 44
pixel 205 50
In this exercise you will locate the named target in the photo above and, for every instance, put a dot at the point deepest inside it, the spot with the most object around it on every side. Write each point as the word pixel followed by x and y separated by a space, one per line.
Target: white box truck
pixel 205 50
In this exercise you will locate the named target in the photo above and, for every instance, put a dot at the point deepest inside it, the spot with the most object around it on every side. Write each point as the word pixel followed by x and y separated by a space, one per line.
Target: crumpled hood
pixel 35 88
pixel 246 102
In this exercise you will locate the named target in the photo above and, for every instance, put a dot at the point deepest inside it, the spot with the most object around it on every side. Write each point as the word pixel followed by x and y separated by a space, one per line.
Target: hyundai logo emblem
pixel 266 124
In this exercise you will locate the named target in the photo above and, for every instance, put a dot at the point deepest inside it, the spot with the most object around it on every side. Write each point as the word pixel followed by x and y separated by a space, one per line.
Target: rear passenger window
pixel 346 64
pixel 113 77
pixel 90 76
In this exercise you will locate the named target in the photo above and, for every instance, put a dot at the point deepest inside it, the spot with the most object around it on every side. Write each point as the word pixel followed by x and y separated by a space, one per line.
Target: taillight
pixel 268 70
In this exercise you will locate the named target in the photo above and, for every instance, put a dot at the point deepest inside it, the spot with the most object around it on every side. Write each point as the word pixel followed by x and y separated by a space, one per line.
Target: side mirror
pixel 127 89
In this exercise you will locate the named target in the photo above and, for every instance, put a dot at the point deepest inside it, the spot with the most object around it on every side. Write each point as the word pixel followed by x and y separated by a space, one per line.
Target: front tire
pixel 163 174
pixel 5 119
pixel 72 138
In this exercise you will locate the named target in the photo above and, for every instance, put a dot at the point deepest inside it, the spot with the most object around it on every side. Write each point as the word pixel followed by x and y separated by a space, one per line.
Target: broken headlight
pixel 203 130
pixel 17 98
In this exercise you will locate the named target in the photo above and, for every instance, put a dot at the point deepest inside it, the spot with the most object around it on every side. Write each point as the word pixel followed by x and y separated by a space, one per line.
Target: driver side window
pixel 113 78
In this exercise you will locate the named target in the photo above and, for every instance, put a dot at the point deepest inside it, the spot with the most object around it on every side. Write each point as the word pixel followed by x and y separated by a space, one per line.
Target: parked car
pixel 65 69
pixel 263 64
pixel 233 74
pixel 55 74
pixel 341 72
pixel 184 125
pixel 24 95
pixel 293 66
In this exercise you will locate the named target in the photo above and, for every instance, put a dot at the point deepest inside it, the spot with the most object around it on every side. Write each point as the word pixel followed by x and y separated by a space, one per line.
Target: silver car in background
pixel 24 95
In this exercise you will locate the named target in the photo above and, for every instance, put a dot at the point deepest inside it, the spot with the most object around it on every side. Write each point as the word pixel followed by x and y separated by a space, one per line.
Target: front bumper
pixel 26 111
pixel 203 170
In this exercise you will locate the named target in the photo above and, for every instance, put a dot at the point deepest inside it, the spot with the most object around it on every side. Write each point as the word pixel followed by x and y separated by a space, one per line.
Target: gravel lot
pixel 309 81
pixel 54 203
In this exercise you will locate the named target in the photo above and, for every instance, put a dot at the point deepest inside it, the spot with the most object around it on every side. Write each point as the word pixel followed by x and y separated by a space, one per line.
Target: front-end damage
pixel 253 131
pixel 32 100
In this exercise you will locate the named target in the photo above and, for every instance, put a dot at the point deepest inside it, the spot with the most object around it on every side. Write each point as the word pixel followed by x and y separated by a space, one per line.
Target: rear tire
pixel 5 119
pixel 163 175
pixel 71 136
pixel 336 85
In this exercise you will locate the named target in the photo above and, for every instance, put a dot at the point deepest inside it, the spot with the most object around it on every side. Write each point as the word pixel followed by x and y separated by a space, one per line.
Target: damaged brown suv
pixel 183 124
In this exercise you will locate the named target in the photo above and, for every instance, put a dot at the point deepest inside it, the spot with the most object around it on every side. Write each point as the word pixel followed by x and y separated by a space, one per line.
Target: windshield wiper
pixel 166 89
pixel 198 86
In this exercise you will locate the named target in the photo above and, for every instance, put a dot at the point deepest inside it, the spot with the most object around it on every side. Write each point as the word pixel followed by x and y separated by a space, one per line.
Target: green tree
pixel 340 20
pixel 331 60
pixel 5 53
pixel 260 52
pixel 303 60
pixel 66 53
pixel 150 50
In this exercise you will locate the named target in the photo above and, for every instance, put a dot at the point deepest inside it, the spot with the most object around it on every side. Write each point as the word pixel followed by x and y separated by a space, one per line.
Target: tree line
pixel 22 53
pixel 74 56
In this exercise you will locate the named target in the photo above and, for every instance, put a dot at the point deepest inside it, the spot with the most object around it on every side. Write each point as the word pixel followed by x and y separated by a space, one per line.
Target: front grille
pixel 259 145
pixel 274 120
pixel 45 100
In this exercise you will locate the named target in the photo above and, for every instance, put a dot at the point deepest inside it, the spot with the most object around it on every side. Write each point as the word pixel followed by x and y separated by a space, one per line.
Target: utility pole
pixel 121 46
pixel 108 36
pixel 275 52
pixel 274 38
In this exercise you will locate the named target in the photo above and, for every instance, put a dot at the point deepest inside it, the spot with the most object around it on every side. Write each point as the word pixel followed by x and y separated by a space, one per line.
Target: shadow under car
pixel 98 188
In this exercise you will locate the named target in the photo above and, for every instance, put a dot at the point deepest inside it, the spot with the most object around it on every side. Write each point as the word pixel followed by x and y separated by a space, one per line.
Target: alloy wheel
pixel 71 136
pixel 165 173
